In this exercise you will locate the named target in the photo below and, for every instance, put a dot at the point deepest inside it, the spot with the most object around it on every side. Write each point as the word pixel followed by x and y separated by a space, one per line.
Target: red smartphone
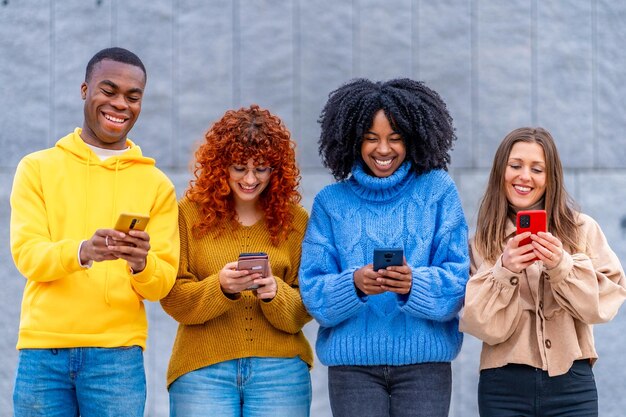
pixel 533 221
pixel 254 262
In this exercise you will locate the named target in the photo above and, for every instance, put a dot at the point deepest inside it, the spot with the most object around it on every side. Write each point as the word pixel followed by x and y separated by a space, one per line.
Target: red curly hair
pixel 240 135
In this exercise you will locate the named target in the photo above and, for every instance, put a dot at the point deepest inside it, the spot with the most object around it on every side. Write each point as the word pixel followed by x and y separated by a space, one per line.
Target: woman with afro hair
pixel 389 335
pixel 240 350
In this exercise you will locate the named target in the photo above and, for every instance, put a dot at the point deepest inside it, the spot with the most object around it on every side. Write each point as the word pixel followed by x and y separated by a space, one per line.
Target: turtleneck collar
pixel 374 188
pixel 539 205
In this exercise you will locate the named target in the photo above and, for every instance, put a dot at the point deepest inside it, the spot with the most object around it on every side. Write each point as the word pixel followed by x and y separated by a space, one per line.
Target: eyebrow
pixel 532 162
pixel 115 86
pixel 394 132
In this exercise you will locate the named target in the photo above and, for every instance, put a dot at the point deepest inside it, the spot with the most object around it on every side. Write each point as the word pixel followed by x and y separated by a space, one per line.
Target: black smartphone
pixel 384 257
pixel 254 262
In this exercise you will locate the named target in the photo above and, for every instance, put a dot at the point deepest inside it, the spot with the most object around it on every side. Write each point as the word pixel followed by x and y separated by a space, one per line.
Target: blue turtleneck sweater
pixel 422 214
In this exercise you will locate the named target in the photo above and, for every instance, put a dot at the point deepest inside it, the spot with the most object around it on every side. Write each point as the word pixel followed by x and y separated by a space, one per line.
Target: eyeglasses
pixel 238 172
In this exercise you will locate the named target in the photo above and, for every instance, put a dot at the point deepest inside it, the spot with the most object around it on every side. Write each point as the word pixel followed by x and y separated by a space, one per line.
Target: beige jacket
pixel 543 318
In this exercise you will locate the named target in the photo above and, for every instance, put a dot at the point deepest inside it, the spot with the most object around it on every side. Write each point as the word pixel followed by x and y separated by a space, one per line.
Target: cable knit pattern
pixel 349 219
pixel 214 328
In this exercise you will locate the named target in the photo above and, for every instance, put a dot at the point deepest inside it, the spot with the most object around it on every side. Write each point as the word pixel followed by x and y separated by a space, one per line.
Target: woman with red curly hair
pixel 240 350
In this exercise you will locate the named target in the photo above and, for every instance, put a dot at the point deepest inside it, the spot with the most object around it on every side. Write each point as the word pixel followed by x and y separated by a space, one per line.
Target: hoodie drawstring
pixel 106 275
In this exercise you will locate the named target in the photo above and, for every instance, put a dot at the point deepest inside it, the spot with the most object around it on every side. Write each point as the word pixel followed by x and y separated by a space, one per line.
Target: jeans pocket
pixel 581 370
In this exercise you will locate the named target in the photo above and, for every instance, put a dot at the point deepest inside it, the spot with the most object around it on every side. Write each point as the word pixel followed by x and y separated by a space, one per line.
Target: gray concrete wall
pixel 499 65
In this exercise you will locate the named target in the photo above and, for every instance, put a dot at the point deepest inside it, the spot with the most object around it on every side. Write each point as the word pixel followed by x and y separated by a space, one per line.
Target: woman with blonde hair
pixel 533 305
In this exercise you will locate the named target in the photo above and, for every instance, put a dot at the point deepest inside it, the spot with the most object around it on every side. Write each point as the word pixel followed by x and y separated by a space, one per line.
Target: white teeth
pixel 383 163
pixel 522 189
pixel 113 119
pixel 247 187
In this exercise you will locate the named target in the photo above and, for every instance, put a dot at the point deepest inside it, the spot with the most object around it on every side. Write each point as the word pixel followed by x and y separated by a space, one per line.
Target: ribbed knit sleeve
pixel 193 299
pixel 286 311
pixel 438 289
pixel 328 291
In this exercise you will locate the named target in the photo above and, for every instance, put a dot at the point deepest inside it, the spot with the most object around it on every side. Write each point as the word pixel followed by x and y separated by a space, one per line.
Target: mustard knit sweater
pixel 214 328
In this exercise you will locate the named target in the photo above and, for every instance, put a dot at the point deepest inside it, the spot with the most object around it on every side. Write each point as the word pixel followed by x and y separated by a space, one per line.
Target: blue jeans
pixel 422 390
pixel 248 387
pixel 524 391
pixel 96 382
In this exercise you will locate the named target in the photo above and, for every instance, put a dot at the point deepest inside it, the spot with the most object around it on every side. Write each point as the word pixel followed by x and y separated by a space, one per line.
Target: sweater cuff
pixel 344 298
pixel 147 273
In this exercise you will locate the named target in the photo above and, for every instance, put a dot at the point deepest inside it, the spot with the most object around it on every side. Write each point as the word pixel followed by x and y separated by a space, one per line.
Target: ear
pixel 83 90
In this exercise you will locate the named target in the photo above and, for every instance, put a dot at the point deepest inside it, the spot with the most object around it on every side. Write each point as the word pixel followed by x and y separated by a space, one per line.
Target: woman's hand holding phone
pixel 365 279
pixel 267 287
pixel 517 256
pixel 548 248
pixel 233 281
pixel 398 279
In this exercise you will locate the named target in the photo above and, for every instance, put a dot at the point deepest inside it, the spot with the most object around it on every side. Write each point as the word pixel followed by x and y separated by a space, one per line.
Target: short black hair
pixel 413 110
pixel 114 54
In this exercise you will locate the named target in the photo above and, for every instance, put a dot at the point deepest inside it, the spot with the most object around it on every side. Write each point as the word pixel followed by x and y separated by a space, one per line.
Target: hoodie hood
pixel 78 149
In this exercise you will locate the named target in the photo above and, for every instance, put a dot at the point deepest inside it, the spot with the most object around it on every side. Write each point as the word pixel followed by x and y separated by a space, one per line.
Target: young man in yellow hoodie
pixel 83 325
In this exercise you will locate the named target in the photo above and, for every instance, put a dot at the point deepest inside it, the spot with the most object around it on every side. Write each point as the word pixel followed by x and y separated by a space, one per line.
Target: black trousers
pixel 523 391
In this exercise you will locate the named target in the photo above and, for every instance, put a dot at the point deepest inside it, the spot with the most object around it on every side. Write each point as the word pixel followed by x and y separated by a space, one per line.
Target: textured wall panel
pixel 25 55
pixel 610 120
pixel 80 29
pixel 383 39
pixel 146 28
pixel 265 56
pixel 443 55
pixel 563 97
pixel 203 89
pixel 325 51
pixel 504 73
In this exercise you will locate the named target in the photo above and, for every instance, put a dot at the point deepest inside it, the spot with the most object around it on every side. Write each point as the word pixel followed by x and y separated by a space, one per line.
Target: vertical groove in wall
pixel 415 40
pixel 114 19
pixel 175 143
pixel 297 76
pixel 594 83
pixel 236 55
pixel 51 132
pixel 474 110
pixel 355 38
pixel 534 65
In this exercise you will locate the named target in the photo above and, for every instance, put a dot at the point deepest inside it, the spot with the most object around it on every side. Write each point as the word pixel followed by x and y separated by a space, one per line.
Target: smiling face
pixel 382 149
pixel 525 175
pixel 247 182
pixel 112 97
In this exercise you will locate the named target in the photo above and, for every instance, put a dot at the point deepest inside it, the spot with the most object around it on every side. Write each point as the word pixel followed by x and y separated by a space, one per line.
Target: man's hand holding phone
pixel 127 240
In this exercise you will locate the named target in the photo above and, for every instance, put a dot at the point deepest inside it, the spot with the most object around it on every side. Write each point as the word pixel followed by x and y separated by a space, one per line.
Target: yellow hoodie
pixel 60 197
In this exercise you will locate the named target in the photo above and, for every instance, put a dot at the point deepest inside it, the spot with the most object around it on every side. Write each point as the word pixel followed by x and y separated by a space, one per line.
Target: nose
pixel 119 102
pixel 525 174
pixel 383 147
pixel 249 176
